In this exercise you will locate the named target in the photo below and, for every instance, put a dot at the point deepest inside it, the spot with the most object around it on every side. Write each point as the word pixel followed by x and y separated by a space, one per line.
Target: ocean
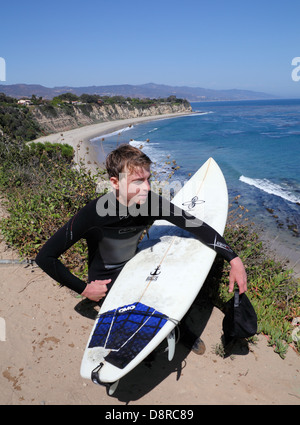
pixel 255 143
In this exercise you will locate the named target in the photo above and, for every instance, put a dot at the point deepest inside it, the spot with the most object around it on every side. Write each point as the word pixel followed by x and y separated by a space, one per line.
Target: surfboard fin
pixel 112 388
pixel 171 344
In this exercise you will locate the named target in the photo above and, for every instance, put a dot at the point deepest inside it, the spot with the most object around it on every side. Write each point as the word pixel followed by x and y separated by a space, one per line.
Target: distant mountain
pixel 150 90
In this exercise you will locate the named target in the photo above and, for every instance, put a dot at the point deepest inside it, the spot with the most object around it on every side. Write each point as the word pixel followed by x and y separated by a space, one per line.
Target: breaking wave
pixel 114 133
pixel 272 188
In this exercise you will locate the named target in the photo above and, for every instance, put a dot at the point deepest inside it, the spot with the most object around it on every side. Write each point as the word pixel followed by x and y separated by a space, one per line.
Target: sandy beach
pixel 79 138
pixel 45 328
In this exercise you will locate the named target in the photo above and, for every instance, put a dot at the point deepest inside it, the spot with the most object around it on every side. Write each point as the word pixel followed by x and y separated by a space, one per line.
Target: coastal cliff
pixel 29 119
pixel 53 119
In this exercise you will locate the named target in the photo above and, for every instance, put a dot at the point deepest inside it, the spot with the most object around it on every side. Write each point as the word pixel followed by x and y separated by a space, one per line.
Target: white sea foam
pixel 197 113
pixel 157 156
pixel 138 143
pixel 149 149
pixel 271 188
pixel 114 133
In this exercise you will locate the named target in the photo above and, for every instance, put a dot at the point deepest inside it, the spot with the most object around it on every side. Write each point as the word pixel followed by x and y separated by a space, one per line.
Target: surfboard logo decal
pixel 218 244
pixel 124 309
pixel 154 275
pixel 193 202
pixel 156 271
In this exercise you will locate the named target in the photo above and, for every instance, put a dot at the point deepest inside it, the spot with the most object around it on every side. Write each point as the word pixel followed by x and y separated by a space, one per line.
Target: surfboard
pixel 157 286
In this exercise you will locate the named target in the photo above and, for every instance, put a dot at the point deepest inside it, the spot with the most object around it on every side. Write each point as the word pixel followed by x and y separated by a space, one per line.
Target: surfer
pixel 113 224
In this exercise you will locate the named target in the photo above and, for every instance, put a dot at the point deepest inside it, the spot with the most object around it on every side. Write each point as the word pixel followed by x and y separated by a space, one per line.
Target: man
pixel 113 224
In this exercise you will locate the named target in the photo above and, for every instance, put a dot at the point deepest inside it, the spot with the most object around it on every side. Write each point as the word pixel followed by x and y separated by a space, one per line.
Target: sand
pixel 44 330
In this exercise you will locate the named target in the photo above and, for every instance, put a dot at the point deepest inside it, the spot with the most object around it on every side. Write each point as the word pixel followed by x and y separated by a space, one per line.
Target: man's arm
pixel 60 242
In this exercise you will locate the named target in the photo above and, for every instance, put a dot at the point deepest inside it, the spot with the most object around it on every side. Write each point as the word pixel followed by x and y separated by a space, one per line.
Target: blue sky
pixel 213 44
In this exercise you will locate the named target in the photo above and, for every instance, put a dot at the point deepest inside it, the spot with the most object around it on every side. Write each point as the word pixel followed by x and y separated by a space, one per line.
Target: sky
pixel 215 44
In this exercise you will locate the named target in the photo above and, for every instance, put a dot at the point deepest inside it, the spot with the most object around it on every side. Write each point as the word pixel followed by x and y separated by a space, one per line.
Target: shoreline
pixel 79 138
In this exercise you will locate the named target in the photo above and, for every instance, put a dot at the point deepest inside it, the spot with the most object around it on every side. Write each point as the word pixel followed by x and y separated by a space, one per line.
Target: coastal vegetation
pixel 18 122
pixel 41 187
pixel 71 98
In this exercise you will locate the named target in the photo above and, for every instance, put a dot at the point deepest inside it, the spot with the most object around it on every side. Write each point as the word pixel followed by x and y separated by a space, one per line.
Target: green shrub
pixel 18 122
pixel 42 192
pixel 55 151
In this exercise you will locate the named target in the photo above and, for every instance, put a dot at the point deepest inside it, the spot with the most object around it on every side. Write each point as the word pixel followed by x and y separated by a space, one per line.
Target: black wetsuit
pixel 112 232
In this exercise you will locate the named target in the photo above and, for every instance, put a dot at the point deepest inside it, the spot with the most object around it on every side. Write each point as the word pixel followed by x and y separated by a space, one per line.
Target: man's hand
pixel 237 274
pixel 96 290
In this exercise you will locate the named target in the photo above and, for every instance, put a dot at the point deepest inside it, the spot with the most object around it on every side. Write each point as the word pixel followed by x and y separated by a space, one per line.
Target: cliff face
pixel 53 119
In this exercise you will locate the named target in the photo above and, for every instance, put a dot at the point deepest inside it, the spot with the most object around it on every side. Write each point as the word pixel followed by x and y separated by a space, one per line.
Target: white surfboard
pixel 158 285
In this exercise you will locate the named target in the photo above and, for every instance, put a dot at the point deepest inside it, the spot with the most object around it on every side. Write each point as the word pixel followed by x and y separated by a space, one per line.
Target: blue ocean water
pixel 256 144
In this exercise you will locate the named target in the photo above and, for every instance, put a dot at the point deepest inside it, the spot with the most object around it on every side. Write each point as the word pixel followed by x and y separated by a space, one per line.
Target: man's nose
pixel 147 186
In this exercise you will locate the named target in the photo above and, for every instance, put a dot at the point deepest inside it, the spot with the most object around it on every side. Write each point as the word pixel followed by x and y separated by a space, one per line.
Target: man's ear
pixel 114 182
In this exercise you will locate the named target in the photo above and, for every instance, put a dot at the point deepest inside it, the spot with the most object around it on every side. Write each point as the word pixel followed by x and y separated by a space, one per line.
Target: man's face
pixel 132 187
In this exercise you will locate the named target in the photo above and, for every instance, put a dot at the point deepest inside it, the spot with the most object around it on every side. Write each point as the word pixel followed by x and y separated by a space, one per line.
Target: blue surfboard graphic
pixel 126 331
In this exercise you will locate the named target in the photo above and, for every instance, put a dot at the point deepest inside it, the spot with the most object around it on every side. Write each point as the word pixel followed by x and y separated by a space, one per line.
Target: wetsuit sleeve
pixel 205 233
pixel 61 241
